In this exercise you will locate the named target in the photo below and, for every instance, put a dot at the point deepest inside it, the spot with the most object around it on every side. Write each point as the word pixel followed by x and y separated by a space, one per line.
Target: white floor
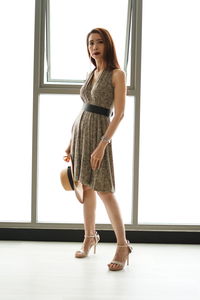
pixel 49 271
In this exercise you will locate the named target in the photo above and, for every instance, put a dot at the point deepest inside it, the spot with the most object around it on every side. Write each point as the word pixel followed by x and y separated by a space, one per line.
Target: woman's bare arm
pixel 119 83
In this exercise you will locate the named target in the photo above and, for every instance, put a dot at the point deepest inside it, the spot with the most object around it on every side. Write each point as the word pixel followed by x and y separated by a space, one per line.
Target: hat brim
pixel 68 184
pixel 78 187
pixel 67 179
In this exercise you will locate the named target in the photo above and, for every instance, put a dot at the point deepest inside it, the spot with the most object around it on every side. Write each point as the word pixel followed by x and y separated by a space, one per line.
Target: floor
pixel 49 271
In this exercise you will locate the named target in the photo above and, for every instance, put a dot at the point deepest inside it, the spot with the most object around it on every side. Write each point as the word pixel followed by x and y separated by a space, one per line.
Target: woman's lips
pixel 96 53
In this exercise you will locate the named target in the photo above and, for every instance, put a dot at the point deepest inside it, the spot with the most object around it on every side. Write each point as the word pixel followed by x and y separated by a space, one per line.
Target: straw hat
pixel 66 177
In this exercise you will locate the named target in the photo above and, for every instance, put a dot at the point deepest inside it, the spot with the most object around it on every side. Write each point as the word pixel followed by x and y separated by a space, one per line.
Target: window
pixel 157 177
pixel 56 117
pixel 66 63
pixel 57 81
pixel 169 190
pixel 67 25
pixel 17 50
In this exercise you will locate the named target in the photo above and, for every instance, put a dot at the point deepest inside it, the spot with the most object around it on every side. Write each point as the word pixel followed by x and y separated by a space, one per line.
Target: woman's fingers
pixel 67 158
pixel 68 149
pixel 96 158
pixel 95 163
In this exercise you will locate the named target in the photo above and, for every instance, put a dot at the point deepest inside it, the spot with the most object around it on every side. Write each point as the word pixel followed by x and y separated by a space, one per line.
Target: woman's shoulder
pixel 118 71
pixel 118 75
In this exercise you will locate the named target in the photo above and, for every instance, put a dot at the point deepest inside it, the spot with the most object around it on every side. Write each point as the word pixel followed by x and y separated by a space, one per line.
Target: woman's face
pixel 96 46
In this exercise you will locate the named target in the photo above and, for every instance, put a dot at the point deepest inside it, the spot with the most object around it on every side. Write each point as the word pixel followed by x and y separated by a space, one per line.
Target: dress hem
pixel 92 187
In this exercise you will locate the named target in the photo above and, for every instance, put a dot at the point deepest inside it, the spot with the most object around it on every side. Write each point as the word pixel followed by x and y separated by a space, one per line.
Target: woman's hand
pixel 97 156
pixel 68 151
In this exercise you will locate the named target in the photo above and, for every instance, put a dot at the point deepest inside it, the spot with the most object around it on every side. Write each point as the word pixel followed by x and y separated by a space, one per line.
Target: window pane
pixel 169 189
pixel 70 21
pixel 57 114
pixel 16 76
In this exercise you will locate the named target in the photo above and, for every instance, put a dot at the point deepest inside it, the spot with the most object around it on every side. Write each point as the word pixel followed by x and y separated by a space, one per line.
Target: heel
pixel 81 253
pixel 128 260
pixel 120 265
pixel 97 239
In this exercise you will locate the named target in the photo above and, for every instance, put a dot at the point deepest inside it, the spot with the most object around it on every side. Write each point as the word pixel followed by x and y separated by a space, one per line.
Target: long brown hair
pixel 109 52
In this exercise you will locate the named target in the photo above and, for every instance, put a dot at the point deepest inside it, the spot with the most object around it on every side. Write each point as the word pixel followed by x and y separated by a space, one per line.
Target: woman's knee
pixel 105 195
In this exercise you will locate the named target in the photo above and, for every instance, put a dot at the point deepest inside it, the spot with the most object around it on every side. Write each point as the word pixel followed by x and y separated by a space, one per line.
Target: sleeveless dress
pixel 87 131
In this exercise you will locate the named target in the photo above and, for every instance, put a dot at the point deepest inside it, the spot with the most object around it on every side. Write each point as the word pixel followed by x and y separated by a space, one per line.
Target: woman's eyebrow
pixel 96 40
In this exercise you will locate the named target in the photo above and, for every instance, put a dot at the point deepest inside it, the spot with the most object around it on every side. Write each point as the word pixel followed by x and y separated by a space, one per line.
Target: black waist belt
pixel 97 109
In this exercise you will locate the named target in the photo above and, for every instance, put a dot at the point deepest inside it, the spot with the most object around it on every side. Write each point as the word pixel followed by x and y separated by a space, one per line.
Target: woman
pixel 90 145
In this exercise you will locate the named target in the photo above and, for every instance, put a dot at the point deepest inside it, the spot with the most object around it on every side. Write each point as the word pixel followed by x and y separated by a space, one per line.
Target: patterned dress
pixel 87 131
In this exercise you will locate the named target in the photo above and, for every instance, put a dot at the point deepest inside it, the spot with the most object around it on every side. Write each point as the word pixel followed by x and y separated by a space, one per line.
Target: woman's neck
pixel 100 65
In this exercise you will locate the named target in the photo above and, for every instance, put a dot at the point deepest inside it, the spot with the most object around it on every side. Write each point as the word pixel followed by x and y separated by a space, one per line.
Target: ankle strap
pixel 88 236
pixel 125 245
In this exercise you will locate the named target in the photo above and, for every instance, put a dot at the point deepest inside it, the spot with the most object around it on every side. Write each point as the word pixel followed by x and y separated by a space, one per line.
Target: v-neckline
pixel 92 76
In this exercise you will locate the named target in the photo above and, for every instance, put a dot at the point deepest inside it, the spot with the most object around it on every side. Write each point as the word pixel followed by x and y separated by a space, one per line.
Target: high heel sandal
pixel 81 253
pixel 118 263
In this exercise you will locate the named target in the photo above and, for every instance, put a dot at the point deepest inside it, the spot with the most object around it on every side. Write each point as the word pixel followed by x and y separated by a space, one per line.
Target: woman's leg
pixel 115 217
pixel 89 211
